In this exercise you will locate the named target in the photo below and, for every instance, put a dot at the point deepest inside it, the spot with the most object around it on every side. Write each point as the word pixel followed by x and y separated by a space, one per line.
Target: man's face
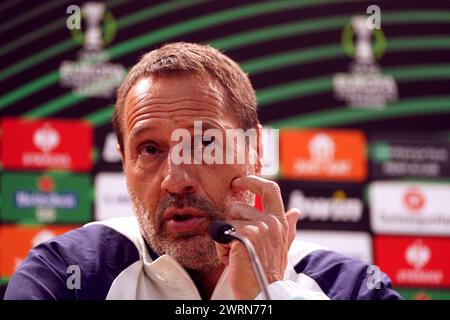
pixel 175 203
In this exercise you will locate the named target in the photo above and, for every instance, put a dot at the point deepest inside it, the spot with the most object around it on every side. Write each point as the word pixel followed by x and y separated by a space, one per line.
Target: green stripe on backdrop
pixel 304 27
pixel 266 63
pixel 70 44
pixel 31 14
pixel 309 86
pixel 206 21
pixel 37 58
pixel 6 4
pixel 177 29
pixel 32 36
pixel 267 96
pixel 392 17
pixel 125 21
pixel 294 89
pixel 46 30
pixel 152 12
pixel 34 86
pixel 62 102
pixel 99 117
pixel 345 116
pixel 334 51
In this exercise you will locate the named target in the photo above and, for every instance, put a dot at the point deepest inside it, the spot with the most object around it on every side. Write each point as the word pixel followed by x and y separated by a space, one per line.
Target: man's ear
pixel 259 150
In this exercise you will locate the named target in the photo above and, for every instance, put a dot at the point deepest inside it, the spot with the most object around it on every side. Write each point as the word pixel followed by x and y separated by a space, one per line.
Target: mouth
pixel 186 220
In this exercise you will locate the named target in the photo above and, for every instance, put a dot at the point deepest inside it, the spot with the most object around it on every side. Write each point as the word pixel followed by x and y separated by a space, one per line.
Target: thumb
pixel 292 217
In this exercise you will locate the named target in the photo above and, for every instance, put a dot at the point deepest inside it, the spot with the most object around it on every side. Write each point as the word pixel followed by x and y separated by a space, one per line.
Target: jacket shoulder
pixel 95 253
pixel 341 277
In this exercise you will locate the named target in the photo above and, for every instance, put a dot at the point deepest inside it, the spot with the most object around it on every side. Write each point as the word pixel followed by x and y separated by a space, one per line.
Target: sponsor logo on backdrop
pixel 414 261
pixel 417 254
pixel 46 144
pixel 406 208
pixel 24 238
pixel 364 86
pixel 46 139
pixel 323 155
pixel 111 196
pixel 46 201
pixel 398 159
pixel 110 153
pixel 322 158
pixel 326 206
pixel 34 198
pixel 92 75
pixel 424 294
pixel 108 157
pixel 338 208
pixel 350 243
pixel 414 200
pixel 41 237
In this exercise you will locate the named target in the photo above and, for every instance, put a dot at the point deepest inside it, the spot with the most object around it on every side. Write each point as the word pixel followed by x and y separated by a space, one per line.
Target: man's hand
pixel 271 233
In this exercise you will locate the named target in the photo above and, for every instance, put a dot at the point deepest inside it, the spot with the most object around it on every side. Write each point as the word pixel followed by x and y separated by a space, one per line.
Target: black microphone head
pixel 216 231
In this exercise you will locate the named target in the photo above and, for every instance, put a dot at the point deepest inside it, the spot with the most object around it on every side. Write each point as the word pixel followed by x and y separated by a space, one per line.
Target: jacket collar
pixel 168 273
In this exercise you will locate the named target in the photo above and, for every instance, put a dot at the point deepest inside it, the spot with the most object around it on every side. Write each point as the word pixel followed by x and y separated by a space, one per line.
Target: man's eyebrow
pixel 205 126
pixel 140 130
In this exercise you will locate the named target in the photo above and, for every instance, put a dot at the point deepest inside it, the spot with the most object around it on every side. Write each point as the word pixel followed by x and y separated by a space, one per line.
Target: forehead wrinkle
pixel 207 123
pixel 211 91
pixel 139 103
pixel 184 113
pixel 170 100
pixel 206 108
pixel 143 117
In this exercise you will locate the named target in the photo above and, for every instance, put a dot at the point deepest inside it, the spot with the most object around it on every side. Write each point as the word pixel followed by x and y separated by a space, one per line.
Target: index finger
pixel 268 190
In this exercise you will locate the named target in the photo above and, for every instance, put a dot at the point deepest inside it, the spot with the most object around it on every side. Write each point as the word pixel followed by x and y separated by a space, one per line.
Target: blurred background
pixel 360 91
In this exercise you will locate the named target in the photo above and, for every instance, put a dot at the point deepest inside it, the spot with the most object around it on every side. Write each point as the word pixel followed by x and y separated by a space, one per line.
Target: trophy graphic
pixel 365 86
pixel 364 52
pixel 92 74
pixel 93 12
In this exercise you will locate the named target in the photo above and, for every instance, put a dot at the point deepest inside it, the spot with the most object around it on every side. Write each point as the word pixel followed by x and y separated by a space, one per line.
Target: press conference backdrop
pixel 364 118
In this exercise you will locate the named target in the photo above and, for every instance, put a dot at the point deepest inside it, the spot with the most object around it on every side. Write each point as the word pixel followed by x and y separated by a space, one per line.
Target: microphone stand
pixel 257 267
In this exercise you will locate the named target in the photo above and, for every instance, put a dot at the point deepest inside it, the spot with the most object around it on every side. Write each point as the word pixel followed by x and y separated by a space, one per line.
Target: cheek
pixel 216 181
pixel 143 188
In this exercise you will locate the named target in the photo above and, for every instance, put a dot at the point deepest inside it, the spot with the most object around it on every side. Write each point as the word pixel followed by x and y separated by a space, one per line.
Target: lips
pixel 185 220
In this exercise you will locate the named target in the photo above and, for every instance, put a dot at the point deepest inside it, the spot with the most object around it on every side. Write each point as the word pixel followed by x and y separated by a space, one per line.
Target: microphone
pixel 220 231
pixel 223 232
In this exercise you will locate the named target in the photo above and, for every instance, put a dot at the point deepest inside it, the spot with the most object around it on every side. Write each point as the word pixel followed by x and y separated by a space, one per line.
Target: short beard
pixel 193 251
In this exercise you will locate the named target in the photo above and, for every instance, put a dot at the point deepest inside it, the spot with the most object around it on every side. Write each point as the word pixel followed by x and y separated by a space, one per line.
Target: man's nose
pixel 179 179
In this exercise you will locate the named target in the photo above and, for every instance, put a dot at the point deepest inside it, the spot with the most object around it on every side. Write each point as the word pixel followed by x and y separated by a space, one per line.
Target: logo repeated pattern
pixel 360 102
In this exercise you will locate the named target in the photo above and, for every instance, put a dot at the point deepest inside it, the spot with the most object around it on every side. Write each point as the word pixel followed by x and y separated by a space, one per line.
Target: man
pixel 166 253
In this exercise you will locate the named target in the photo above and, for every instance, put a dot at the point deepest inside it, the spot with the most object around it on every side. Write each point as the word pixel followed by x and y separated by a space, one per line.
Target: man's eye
pixel 206 141
pixel 149 150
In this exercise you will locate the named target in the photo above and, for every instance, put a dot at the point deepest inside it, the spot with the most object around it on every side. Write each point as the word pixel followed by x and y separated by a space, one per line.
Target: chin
pixel 195 252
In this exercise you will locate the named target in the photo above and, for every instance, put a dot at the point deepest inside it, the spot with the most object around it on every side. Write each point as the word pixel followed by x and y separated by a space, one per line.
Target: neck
pixel 206 281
